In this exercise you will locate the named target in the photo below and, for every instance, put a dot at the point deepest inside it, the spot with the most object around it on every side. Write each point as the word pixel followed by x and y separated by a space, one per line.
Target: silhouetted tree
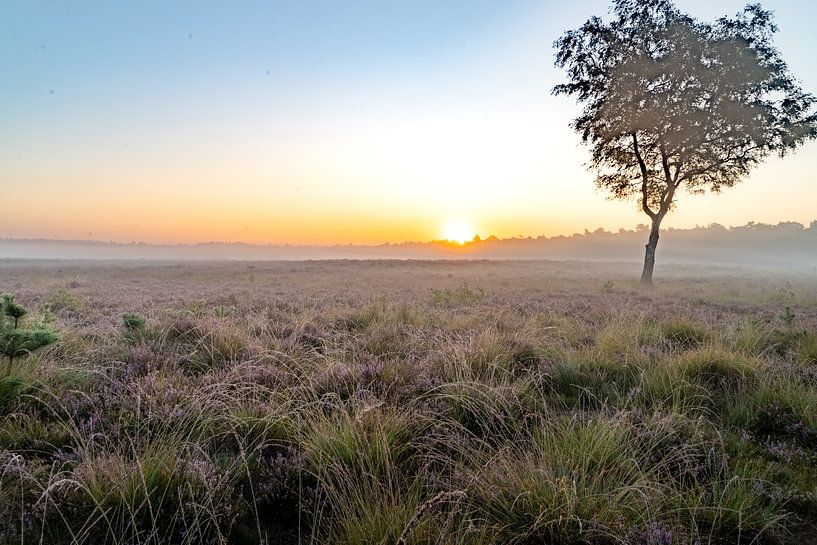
pixel 670 102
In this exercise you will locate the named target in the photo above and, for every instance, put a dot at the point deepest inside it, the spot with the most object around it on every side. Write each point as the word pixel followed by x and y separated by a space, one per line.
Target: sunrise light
pixel 458 230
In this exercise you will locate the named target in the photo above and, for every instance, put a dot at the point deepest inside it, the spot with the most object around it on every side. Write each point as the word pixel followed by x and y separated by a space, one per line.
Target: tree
pixel 16 341
pixel 672 103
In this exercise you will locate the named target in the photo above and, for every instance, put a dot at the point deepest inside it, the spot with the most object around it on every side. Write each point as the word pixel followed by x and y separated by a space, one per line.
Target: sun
pixel 458 231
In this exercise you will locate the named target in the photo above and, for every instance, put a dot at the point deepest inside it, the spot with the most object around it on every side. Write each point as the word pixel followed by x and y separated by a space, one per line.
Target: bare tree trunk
pixel 649 256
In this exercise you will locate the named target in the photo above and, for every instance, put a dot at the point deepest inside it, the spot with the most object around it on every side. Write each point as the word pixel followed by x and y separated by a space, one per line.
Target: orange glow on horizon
pixel 457 230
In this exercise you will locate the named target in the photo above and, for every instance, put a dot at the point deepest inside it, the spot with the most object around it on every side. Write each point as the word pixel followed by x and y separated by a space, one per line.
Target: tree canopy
pixel 671 102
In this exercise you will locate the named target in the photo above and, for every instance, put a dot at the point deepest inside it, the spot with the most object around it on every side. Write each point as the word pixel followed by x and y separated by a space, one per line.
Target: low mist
pixel 787 245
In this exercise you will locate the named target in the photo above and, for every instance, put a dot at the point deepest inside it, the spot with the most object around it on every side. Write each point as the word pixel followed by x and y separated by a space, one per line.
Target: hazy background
pixel 784 247
pixel 324 123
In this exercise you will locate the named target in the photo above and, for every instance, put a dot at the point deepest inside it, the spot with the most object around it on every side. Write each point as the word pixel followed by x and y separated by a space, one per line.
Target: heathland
pixel 391 402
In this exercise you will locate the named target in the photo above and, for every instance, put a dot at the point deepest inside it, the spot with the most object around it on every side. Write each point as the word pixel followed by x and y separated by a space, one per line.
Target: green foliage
pixel 715 369
pixel 684 334
pixel 134 324
pixel 671 102
pixel 13 310
pixel 15 341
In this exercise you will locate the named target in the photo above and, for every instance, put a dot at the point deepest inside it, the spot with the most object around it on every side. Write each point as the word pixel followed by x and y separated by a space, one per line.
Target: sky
pixel 325 122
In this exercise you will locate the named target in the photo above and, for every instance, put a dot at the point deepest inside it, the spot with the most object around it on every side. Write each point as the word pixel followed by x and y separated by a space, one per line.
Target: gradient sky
pixel 324 122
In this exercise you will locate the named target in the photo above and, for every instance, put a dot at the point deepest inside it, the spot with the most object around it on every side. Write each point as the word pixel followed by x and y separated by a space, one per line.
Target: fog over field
pixel 787 245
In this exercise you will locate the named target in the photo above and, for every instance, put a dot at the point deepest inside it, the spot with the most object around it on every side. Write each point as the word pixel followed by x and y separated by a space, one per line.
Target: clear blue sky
pixel 319 121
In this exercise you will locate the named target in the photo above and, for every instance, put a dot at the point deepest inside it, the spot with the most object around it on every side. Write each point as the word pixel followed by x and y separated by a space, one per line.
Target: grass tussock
pixel 392 408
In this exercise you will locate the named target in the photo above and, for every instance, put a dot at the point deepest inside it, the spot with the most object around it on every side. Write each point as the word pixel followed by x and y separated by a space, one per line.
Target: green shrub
pixel 15 341
pixel 134 324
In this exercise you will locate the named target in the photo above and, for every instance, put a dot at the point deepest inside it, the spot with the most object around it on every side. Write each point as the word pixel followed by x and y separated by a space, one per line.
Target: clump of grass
pixel 135 326
pixel 588 385
pixel 780 407
pixel 685 334
pixel 63 301
pixel 454 297
pixel 223 312
pixel 369 441
pixel 807 350
pixel 113 498
pixel 215 344
pixel 17 380
pixel 572 482
pixel 715 368
pixel 749 337
pixel 362 318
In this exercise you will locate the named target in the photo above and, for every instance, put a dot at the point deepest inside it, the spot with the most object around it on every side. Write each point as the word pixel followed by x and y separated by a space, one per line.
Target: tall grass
pixel 400 415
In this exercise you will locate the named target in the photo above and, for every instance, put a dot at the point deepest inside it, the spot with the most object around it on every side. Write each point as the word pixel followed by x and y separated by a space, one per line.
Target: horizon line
pixel 476 240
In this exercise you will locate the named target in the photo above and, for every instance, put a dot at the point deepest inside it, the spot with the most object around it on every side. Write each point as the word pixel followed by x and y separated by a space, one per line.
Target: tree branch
pixel 644 179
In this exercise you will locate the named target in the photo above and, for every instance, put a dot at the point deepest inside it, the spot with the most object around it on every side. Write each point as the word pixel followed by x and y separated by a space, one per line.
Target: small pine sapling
pixel 15 340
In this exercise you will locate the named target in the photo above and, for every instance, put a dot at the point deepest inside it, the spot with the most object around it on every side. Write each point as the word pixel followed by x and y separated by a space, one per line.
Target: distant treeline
pixel 785 245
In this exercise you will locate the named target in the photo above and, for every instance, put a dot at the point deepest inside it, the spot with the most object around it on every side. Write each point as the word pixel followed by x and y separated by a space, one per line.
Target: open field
pixel 410 402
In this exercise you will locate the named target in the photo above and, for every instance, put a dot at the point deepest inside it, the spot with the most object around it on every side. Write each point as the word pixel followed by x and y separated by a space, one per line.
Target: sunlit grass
pixel 410 406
